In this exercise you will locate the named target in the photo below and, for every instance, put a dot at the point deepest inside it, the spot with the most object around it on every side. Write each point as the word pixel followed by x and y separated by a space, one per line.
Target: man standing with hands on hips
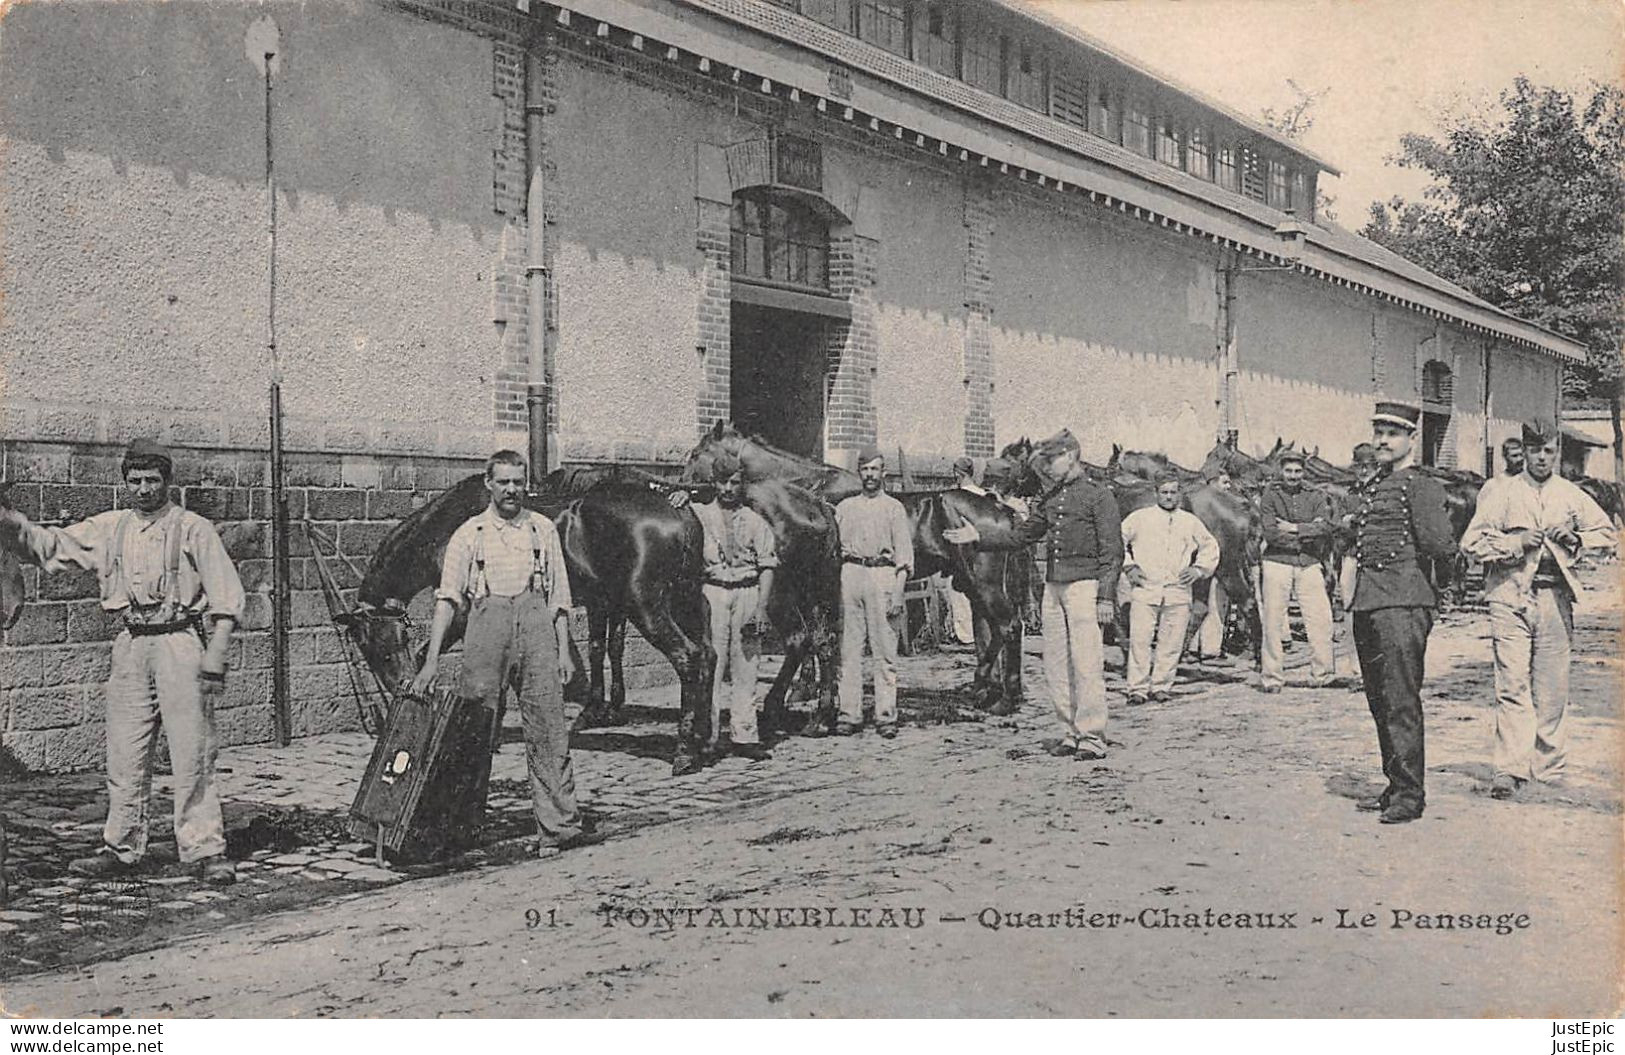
pixel 877 554
pixel 1167 549
pixel 1083 556
pixel 165 575
pixel 1400 520
pixel 506 564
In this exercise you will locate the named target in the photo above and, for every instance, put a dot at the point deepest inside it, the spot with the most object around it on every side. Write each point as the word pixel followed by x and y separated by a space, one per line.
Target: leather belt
pixel 155 629
pixel 869 562
pixel 736 584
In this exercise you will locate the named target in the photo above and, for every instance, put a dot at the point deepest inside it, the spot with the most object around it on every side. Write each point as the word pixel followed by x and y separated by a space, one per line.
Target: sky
pixel 1389 66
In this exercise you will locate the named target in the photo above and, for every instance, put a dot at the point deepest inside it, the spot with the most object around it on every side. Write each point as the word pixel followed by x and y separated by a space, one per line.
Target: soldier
pixel 1400 521
pixel 1298 522
pixel 1082 530
pixel 506 565
pixel 1513 459
pixel 959 605
pixel 1166 550
pixel 877 554
pixel 1528 531
pixel 740 559
pixel 166 577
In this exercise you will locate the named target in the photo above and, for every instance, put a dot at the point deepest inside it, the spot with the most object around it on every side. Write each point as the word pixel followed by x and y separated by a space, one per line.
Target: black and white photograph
pixel 812 509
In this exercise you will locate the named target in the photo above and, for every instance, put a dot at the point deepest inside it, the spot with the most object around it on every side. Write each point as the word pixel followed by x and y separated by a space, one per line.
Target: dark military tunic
pixel 1400 521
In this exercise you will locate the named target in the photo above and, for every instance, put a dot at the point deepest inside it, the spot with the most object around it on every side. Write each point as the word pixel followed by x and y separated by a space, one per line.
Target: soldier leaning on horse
pixel 165 576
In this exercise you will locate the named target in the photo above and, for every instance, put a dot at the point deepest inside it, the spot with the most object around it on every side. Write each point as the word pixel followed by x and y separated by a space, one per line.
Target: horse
pixel 1231 518
pixel 1605 494
pixel 1145 465
pixel 994 579
pixel 628 554
pixel 805 605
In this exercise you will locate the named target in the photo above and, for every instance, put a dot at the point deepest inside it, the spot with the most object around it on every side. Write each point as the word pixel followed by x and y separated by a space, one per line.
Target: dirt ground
pixel 953 854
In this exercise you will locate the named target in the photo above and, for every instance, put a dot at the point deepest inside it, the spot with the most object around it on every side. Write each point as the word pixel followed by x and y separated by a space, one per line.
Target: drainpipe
pixel 538 381
pixel 1229 431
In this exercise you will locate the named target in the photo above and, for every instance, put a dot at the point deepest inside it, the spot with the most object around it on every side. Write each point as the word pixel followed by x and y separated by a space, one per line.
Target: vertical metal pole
pixel 279 497
pixel 539 377
pixel 1229 366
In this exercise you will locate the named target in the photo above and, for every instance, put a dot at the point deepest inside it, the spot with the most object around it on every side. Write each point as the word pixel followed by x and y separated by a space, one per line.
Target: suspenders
pixel 482 587
pixel 170 582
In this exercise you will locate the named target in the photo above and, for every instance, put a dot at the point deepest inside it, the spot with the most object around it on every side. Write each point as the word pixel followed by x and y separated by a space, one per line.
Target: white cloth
pixel 1521 504
pixel 1280 582
pixel 1165 625
pixel 1160 544
pixel 1072 662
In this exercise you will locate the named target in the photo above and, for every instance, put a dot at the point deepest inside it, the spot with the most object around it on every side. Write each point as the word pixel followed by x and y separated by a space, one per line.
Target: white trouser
pixel 731 611
pixel 1210 638
pixel 1280 581
pixel 867 595
pixel 155 677
pixel 964 629
pixel 1532 644
pixel 1164 623
pixel 1072 661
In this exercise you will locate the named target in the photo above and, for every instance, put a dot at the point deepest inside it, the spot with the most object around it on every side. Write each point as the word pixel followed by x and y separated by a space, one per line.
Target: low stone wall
pixel 54 663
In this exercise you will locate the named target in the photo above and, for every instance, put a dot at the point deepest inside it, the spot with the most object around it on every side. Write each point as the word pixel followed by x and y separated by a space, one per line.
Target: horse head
pixel 381 633
pixel 1026 481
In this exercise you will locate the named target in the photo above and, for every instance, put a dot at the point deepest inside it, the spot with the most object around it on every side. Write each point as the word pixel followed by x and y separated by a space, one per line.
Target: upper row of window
pixel 941 35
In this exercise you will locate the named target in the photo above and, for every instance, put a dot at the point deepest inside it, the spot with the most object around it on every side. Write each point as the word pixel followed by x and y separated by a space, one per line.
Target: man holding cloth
pixel 506 565
pixel 1400 521
pixel 165 576
pixel 1166 549
pixel 1083 554
pixel 877 554
pixel 1528 530
pixel 1298 523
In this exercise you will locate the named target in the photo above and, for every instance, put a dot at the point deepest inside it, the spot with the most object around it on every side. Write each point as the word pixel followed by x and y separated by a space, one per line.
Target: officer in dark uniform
pixel 1399 520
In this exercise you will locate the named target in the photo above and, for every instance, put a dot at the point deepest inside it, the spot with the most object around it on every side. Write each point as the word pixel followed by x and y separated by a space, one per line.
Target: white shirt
pixel 1161 544
pixel 1520 504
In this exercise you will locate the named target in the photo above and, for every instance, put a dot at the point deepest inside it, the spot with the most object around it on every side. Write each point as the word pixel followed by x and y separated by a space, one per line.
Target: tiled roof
pixel 1167 194
pixel 1035 13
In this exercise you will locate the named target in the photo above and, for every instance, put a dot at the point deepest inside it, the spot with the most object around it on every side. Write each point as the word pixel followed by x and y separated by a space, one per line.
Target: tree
pixel 1294 122
pixel 1527 210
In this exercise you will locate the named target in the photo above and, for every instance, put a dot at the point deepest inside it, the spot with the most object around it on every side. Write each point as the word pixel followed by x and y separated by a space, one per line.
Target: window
pixel 1106 119
pixel 778 239
pixel 1137 126
pixel 940 41
pixel 1198 150
pixel 984 61
pixel 1225 172
pixel 837 13
pixel 1280 188
pixel 1252 173
pixel 1301 199
pixel 1438 387
pixel 1170 142
pixel 1069 98
pixel 1025 83
pixel 884 24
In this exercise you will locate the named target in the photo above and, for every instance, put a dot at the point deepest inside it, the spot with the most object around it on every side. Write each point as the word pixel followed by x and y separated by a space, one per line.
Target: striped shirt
pixel 510 550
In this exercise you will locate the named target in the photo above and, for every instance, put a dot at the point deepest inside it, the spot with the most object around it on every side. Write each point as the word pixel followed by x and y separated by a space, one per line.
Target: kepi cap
pixel 1389 412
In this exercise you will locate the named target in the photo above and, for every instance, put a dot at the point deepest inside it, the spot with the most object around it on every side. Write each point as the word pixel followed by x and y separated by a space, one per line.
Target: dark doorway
pixel 1434 427
pixel 777 378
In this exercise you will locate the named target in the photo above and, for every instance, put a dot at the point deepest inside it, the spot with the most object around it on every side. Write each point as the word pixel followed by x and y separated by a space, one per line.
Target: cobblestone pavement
pixel 1221 799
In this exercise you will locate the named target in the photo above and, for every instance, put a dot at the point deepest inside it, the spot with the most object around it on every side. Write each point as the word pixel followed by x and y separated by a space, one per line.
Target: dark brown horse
pixel 994 581
pixel 630 556
pixel 1232 518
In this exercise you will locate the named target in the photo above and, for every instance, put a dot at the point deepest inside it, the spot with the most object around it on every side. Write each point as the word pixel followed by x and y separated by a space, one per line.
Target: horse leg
pixel 674 624
pixel 617 675
pixel 775 716
pixel 594 713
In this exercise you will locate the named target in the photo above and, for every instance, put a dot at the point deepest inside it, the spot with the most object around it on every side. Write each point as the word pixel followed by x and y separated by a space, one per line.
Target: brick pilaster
pixel 715 399
pixel 852 347
pixel 978 374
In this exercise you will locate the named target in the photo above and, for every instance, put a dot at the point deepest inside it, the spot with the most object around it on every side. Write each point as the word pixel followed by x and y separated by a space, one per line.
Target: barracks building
pixel 938 225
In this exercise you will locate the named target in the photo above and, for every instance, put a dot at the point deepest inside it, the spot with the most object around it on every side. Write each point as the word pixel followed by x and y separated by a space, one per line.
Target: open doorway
pixel 778 377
